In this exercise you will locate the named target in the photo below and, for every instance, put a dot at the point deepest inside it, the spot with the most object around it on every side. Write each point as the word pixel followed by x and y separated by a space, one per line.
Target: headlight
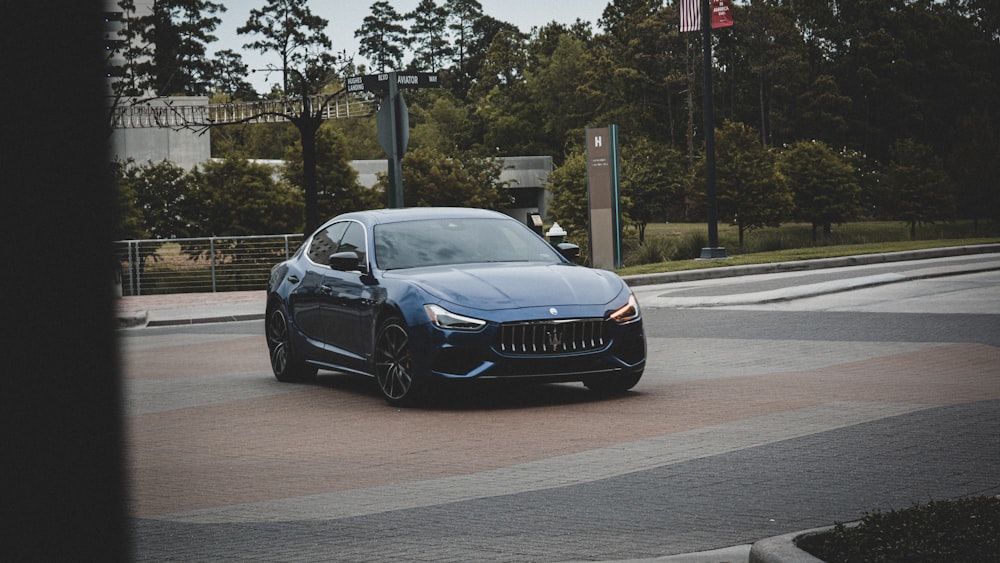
pixel 628 313
pixel 443 318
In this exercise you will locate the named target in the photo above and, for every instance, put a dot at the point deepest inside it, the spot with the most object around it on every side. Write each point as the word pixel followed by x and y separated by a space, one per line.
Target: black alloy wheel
pixel 393 368
pixel 286 367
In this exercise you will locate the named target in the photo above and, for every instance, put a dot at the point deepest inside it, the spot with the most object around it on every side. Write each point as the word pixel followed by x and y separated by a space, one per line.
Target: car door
pixel 306 299
pixel 344 299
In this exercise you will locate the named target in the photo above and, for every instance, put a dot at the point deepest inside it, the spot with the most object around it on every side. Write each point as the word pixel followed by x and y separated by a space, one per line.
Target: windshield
pixel 435 242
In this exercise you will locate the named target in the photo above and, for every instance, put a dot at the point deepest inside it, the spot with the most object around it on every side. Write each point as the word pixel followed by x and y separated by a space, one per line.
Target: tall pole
pixel 395 187
pixel 713 250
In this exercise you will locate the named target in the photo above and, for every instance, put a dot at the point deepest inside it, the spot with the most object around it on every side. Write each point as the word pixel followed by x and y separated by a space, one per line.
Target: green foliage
pixel 382 37
pixel 653 179
pixel 865 78
pixel 959 530
pixel 337 187
pixel 441 123
pixel 163 195
pixel 129 222
pixel 236 196
pixel 921 190
pixel 749 194
pixel 824 185
pixel 432 179
pixel 428 36
pixel 568 186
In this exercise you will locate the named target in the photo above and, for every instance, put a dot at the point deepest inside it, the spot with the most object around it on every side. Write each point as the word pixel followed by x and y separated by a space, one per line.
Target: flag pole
pixel 713 251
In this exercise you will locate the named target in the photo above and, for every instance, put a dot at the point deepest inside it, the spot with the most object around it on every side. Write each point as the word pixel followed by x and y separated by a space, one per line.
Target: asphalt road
pixel 754 419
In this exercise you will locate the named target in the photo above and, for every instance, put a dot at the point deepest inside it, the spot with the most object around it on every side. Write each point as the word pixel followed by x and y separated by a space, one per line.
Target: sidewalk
pixel 189 308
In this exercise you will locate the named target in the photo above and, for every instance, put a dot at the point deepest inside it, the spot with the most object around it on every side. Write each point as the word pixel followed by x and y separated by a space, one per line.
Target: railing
pixel 189 265
pixel 162 112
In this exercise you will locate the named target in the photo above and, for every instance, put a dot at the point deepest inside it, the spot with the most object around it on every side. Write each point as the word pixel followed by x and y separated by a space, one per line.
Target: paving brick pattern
pixel 734 434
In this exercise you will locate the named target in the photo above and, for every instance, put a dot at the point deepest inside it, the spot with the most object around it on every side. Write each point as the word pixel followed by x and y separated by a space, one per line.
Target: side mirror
pixel 569 251
pixel 346 261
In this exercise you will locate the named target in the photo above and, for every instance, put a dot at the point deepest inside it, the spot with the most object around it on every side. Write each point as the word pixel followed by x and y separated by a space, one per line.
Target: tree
pixel 825 186
pixel 921 191
pixel 625 72
pixel 653 179
pixel 337 186
pixel 382 37
pixel 179 31
pixel 554 82
pixel 570 204
pixel 748 193
pixel 765 69
pixel 238 197
pixel 127 216
pixel 441 123
pixel 436 179
pixel 162 194
pixel 462 16
pixel 228 77
pixel 429 36
pixel 289 29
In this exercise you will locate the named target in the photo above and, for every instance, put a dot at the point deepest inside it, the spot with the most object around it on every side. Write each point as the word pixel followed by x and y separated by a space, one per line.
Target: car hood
pixel 500 286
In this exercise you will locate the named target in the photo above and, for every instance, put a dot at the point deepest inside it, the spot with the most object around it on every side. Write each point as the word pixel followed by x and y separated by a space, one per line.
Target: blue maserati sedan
pixel 415 298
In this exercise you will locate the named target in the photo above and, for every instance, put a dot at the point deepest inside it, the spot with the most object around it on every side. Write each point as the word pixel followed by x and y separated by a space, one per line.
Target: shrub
pixel 961 530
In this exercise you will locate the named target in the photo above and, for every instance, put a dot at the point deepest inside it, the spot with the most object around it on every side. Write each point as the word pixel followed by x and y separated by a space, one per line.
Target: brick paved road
pixel 748 424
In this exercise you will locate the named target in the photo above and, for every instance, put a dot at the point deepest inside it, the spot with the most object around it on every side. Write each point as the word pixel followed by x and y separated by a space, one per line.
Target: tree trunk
pixel 308 125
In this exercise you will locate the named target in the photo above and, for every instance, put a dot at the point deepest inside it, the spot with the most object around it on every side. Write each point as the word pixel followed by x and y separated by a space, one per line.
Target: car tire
pixel 393 367
pixel 614 384
pixel 284 361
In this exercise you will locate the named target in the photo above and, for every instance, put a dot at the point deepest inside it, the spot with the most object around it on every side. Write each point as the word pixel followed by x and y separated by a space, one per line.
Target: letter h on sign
pixel 598 141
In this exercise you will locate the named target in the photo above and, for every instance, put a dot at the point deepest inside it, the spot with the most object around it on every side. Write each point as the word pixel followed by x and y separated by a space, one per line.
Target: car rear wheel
pixel 284 363
pixel 393 368
pixel 613 384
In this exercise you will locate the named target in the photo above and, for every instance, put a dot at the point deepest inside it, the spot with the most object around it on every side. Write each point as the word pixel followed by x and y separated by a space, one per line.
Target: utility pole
pixel 713 251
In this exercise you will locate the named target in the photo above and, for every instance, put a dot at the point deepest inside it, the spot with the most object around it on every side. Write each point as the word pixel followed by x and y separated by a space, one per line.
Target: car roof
pixel 415 213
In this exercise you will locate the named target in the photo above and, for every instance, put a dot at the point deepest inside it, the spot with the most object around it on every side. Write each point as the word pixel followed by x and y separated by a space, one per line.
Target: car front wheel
pixel 393 368
pixel 284 363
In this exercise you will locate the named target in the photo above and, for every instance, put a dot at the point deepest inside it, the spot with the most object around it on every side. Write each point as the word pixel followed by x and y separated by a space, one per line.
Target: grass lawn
pixel 675 246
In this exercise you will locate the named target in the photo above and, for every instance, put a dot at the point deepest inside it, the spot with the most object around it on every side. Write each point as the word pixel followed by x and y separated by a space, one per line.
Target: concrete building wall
pixel 185 148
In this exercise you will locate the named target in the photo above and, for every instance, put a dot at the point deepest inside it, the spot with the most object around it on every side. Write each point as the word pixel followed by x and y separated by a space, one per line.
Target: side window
pixel 325 242
pixel 354 240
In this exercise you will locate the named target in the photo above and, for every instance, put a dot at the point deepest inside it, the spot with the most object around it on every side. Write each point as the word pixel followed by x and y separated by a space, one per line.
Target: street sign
pixel 392 118
pixel 376 83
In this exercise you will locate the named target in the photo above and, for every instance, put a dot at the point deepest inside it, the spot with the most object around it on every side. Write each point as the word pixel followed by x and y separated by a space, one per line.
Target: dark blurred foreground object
pixel 64 493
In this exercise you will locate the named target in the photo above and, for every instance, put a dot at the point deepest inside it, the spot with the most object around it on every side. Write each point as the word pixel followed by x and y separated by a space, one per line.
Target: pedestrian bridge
pixel 184 113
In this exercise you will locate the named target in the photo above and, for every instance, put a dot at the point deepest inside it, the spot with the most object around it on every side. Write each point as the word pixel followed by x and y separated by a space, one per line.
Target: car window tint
pixel 413 244
pixel 325 242
pixel 354 241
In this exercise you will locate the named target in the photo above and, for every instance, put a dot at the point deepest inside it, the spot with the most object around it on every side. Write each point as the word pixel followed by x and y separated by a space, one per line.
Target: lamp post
pixel 713 251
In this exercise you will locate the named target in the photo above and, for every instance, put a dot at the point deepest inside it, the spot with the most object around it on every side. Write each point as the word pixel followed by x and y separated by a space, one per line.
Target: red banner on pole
pixel 722 14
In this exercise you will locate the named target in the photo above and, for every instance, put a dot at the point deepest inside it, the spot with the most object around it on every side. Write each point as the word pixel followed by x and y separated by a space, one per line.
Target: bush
pixel 961 530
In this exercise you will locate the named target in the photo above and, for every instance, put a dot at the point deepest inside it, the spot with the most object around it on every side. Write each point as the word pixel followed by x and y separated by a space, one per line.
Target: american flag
pixel 690 15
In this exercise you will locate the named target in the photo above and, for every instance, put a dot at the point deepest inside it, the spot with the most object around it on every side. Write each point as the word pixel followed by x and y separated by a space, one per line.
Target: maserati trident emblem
pixel 553 338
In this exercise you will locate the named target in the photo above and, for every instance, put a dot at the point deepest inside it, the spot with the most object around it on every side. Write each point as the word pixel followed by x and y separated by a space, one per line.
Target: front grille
pixel 552 337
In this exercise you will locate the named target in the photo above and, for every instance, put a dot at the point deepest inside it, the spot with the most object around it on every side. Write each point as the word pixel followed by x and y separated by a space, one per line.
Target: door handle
pixel 293 279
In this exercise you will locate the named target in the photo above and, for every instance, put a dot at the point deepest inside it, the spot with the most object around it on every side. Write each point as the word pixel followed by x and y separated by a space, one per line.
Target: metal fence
pixel 190 265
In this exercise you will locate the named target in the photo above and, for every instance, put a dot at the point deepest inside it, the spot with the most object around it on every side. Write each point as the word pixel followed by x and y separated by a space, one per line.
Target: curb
pixel 803 265
pixel 784 548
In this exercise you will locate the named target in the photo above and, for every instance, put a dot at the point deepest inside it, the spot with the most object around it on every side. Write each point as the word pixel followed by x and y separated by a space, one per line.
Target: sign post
pixel 393 119
pixel 602 189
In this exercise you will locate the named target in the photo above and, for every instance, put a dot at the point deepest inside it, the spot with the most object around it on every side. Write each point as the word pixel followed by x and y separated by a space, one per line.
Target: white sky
pixel 346 16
